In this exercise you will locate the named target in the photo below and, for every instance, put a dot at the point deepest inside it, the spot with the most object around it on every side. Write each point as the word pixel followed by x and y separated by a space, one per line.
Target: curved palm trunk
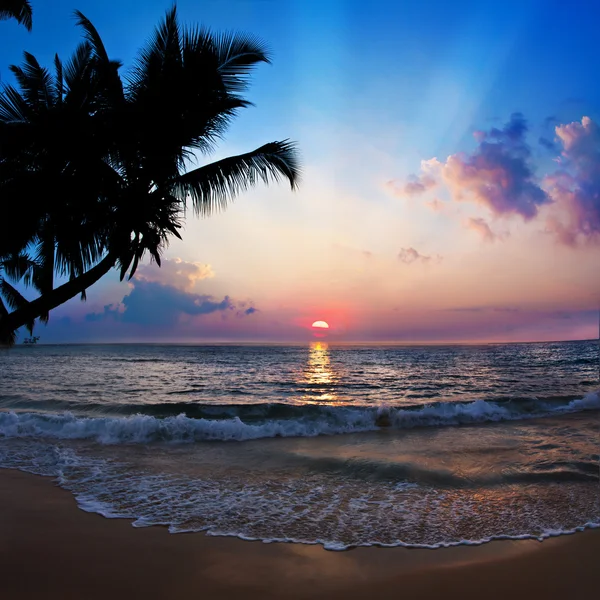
pixel 50 300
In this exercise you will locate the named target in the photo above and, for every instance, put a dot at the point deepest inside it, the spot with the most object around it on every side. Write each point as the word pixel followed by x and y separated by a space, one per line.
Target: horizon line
pixel 305 342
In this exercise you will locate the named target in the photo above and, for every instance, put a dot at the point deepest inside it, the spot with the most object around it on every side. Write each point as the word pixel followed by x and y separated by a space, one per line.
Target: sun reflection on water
pixel 318 380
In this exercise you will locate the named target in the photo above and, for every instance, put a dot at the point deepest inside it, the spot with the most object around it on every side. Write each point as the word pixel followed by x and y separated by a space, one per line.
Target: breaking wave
pixel 238 422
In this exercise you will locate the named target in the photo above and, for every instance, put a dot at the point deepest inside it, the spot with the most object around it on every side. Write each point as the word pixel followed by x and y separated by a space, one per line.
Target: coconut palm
pixel 17 9
pixel 105 162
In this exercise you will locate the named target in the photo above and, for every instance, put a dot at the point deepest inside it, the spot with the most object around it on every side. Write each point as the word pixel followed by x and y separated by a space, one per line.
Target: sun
pixel 320 325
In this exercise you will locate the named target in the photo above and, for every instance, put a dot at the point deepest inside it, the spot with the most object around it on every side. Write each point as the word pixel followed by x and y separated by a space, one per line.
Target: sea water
pixel 338 445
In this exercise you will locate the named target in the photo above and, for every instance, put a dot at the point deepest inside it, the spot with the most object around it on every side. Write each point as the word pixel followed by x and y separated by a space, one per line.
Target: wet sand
pixel 51 549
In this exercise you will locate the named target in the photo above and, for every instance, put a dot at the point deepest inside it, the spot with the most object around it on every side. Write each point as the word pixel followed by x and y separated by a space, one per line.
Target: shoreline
pixel 52 549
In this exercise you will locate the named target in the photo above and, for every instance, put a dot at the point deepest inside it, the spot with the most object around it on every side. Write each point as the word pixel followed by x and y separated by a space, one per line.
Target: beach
pixel 51 549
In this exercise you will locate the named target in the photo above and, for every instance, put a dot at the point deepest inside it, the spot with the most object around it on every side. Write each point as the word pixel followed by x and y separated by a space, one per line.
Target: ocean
pixel 336 445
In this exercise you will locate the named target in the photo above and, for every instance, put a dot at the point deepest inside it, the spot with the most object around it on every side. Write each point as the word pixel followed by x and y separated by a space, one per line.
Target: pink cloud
pixel 480 226
pixel 436 205
pixel 417 184
pixel 575 189
pixel 175 272
pixel 410 255
pixel 498 174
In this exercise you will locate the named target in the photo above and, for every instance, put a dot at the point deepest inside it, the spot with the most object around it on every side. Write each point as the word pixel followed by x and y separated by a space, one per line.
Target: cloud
pixel 498 174
pixel 175 272
pixel 483 309
pixel 410 255
pixel 110 311
pixel 548 144
pixel 480 226
pixel 436 205
pixel 417 184
pixel 575 188
pixel 153 303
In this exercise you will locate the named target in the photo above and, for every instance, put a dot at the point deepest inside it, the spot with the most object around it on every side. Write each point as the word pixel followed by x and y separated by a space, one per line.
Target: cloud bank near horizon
pixel 165 296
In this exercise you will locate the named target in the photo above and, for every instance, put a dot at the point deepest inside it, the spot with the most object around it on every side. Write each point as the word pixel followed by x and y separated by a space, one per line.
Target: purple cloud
pixel 498 174
pixel 575 188
pixel 110 311
pixel 152 303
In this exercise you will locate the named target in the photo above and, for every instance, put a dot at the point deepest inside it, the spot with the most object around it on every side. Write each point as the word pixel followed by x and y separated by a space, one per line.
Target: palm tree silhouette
pixel 103 162
pixel 17 9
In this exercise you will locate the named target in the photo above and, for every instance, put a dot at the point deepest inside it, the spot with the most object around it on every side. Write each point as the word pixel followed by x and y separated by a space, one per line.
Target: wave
pixel 239 422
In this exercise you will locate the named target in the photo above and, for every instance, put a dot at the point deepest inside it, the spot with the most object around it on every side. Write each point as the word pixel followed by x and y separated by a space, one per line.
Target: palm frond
pixel 13 107
pixel 213 185
pixel 159 57
pixel 9 337
pixel 43 275
pixel 77 66
pixel 3 309
pixel 35 81
pixel 11 296
pixel 107 69
pixel 90 33
pixel 59 82
pixel 19 267
pixel 13 299
pixel 237 55
pixel 19 10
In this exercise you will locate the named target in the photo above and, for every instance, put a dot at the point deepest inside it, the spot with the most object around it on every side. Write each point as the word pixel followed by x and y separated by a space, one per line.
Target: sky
pixel 451 176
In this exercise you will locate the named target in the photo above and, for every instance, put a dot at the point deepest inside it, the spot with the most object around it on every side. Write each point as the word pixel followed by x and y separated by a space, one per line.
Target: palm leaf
pixel 76 69
pixel 107 69
pixel 3 309
pixel 59 81
pixel 10 337
pixel 238 54
pixel 19 267
pixel 90 33
pixel 43 275
pixel 160 56
pixel 13 299
pixel 19 10
pixel 35 81
pixel 213 185
pixel 13 107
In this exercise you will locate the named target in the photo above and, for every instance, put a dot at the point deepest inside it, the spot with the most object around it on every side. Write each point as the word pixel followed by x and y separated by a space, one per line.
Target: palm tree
pixel 17 9
pixel 104 162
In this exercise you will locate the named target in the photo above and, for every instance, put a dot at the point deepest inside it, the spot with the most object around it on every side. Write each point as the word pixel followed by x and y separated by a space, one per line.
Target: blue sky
pixel 368 90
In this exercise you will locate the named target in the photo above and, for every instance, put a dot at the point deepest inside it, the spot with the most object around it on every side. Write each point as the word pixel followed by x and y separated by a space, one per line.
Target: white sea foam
pixel 319 509
pixel 327 421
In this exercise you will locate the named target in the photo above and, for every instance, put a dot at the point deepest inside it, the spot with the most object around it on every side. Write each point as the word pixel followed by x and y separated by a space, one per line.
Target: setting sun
pixel 320 325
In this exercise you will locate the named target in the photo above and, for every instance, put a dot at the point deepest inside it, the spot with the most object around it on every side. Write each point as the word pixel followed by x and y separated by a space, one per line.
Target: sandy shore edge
pixel 51 549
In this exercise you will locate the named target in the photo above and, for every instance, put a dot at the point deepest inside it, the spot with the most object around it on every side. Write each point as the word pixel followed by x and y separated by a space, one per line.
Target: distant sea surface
pixel 336 445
